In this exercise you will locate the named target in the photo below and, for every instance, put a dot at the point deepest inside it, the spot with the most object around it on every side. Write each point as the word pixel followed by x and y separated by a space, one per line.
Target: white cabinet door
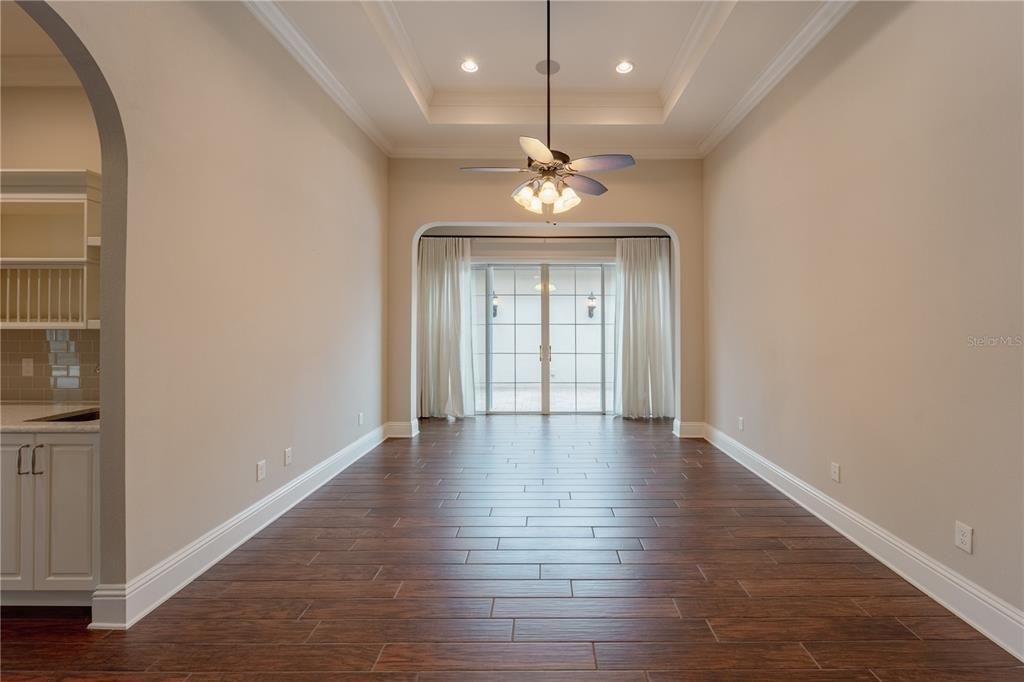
pixel 66 511
pixel 16 528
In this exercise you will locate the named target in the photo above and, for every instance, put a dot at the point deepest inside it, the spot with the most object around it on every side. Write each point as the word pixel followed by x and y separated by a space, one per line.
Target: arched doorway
pixel 114 169
pixel 544 230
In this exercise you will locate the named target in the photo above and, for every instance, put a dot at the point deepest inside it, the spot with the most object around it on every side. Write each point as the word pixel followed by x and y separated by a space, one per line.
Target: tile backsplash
pixel 65 365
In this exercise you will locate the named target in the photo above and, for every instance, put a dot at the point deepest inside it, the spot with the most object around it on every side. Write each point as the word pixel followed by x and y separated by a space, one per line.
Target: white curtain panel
pixel 444 336
pixel 643 385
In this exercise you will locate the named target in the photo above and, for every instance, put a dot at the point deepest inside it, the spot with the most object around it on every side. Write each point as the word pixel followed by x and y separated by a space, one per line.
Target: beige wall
pixel 255 264
pixel 861 226
pixel 47 128
pixel 428 191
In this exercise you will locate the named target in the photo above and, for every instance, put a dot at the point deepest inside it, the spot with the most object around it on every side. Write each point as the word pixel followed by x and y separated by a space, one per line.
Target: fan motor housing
pixel 559 156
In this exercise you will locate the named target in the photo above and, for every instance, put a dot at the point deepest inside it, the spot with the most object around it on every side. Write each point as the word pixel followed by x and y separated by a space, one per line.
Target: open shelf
pixel 43 229
pixel 49 278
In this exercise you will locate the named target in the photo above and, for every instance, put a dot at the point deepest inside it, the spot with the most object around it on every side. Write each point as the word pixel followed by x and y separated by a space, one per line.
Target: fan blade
pixel 601 162
pixel 536 150
pixel 581 183
pixel 494 169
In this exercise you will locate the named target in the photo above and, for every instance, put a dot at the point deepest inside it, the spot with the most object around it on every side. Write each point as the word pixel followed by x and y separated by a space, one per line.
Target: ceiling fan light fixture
pixel 556 176
pixel 567 200
pixel 524 196
pixel 570 197
pixel 548 192
pixel 469 65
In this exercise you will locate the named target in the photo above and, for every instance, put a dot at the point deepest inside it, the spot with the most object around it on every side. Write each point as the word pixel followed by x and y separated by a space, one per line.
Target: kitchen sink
pixel 87 415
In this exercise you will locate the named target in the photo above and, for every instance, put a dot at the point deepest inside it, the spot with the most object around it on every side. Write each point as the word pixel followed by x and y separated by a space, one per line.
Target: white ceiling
pixel 700 67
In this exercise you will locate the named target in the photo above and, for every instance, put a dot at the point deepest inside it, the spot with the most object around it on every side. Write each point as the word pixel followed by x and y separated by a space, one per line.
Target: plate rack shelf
pixel 49 249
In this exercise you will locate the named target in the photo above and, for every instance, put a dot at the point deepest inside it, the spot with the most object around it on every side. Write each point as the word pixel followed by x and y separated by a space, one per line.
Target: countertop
pixel 15 418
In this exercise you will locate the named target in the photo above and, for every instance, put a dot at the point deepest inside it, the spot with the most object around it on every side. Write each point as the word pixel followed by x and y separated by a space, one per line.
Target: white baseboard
pixel 409 429
pixel 994 617
pixel 682 429
pixel 118 607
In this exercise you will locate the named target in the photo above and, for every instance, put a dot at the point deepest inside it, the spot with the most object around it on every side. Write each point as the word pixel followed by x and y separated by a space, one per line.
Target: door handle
pixel 549 353
pixel 540 351
pixel 34 472
pixel 20 448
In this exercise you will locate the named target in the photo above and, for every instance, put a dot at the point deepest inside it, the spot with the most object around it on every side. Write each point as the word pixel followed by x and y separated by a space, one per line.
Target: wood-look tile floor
pixel 540 549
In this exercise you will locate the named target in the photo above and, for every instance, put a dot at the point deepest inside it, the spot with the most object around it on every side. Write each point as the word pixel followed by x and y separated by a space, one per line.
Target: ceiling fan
pixel 556 177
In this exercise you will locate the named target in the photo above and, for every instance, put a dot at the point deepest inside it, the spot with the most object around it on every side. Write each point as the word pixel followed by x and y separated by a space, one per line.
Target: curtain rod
pixel 519 236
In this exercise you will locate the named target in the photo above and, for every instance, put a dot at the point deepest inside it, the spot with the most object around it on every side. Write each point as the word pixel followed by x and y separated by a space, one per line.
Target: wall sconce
pixel 494 304
pixel 591 305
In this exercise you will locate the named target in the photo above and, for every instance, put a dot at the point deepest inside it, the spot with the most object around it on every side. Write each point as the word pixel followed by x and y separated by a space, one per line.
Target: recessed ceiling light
pixel 624 67
pixel 470 66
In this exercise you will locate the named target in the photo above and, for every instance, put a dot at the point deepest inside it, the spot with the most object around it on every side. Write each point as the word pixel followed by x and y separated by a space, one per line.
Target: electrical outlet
pixel 27 367
pixel 261 469
pixel 739 423
pixel 835 471
pixel 360 418
pixel 964 538
pixel 287 456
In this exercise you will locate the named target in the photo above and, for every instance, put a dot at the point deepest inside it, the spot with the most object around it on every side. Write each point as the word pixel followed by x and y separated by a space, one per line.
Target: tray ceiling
pixel 700 67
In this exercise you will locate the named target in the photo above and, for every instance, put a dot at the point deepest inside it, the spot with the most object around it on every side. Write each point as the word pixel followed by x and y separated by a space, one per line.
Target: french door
pixel 544 338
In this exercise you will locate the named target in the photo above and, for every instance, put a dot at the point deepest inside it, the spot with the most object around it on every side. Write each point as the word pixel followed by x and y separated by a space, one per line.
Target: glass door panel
pixel 544 337
pixel 609 320
pixel 562 338
pixel 528 341
pixel 562 322
pixel 480 328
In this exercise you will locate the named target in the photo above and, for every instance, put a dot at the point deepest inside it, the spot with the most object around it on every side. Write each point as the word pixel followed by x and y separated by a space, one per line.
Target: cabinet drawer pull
pixel 20 448
pixel 34 472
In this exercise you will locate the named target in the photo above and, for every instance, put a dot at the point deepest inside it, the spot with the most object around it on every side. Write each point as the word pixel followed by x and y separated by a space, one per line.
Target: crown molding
pixel 536 97
pixel 454 107
pixel 292 39
pixel 816 28
pixel 582 107
pixel 702 34
pixel 388 25
pixel 510 153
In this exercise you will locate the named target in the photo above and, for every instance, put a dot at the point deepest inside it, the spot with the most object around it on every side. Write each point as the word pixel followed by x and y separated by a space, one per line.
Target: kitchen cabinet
pixel 50 507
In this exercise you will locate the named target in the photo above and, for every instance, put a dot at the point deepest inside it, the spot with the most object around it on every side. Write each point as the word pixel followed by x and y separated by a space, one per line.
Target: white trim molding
pixel 384 18
pixel 439 107
pixel 710 20
pixel 508 153
pixel 409 429
pixel 681 429
pixel 816 28
pixel 118 607
pixel 994 617
pixel 291 38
